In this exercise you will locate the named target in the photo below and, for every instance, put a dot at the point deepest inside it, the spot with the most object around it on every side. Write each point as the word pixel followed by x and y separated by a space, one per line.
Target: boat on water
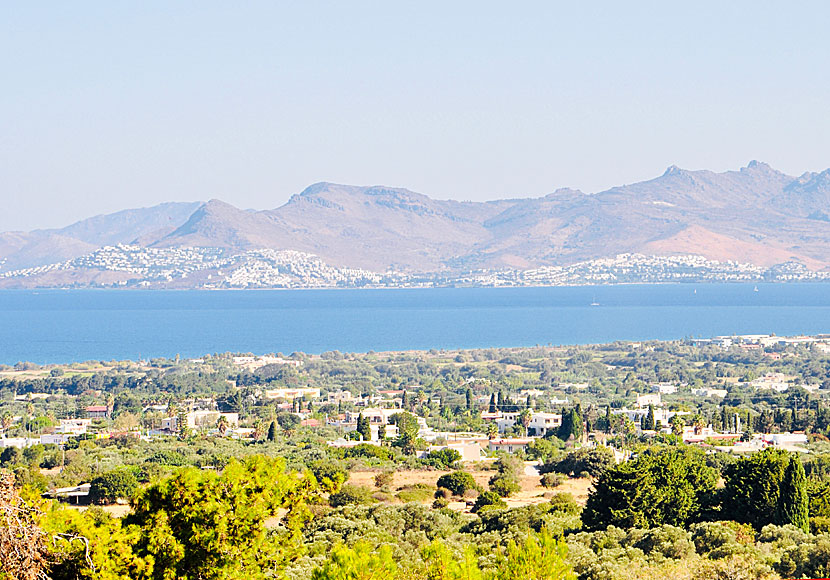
pixel 755 289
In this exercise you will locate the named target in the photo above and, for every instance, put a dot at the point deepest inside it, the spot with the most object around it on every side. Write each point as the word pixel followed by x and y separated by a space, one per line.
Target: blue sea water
pixel 77 325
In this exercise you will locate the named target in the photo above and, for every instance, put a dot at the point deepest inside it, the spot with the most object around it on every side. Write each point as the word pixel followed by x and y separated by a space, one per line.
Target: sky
pixel 112 104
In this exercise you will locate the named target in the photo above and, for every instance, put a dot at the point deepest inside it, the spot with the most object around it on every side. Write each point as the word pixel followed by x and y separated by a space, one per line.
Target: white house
pixel 196 419
pixel 508 445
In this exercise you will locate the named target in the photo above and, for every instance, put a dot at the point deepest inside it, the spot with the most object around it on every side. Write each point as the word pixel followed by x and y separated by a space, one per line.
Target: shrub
pixel 113 485
pixel 503 485
pixel 442 458
pixel 351 495
pixel 443 493
pixel 593 460
pixel 414 494
pixel 440 503
pixel 551 480
pixel 329 474
pixel 384 479
pixel 564 503
pixel 458 482
pixel 819 525
pixel 488 499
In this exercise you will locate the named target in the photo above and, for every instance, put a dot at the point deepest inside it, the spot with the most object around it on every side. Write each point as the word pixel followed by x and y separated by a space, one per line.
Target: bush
pixel 564 503
pixel 442 493
pixel 458 482
pixel 440 503
pixel 329 474
pixel 551 480
pixel 593 460
pixel 351 495
pixel 488 499
pixel 414 494
pixel 112 486
pixel 442 458
pixel 819 525
pixel 503 485
pixel 384 479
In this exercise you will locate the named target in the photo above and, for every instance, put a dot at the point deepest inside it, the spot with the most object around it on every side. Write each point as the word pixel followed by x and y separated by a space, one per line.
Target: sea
pixel 62 326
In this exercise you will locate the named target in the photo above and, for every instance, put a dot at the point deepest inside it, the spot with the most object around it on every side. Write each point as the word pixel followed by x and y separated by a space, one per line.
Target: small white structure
pixel 509 445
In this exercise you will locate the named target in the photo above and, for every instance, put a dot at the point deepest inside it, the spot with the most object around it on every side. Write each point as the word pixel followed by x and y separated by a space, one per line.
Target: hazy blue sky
pixel 107 105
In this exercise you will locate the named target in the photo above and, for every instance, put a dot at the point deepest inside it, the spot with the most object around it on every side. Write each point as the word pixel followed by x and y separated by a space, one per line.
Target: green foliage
pixel 753 487
pixel 538 557
pixel 593 460
pixel 330 475
pixel 445 458
pixel 793 504
pixel 199 524
pixel 366 451
pixel 442 564
pixel 668 486
pixel 458 482
pixel 818 493
pixel 361 562
pixel 504 485
pixel 488 499
pixel 113 485
pixel 351 495
pixel 551 480
pixel 288 422
pixel 420 492
pixel 407 431
pixel 364 427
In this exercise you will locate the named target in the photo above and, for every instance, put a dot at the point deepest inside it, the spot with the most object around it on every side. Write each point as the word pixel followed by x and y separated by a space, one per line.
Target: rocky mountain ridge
pixel 755 215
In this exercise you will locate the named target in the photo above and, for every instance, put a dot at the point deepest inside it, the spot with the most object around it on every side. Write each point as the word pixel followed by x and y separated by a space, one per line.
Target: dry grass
pixel 531 492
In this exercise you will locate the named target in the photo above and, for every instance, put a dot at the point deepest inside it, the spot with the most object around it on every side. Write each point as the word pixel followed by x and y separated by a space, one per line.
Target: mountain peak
pixel 672 170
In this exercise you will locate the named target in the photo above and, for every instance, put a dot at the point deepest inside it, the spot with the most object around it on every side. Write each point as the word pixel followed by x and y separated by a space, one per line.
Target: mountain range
pixel 754 215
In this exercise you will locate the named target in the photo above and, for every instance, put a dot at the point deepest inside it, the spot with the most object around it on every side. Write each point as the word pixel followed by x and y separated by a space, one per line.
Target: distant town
pixel 130 266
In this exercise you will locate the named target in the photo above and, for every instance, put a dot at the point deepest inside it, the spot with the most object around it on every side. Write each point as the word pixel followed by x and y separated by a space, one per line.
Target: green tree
pixel 662 486
pixel 113 485
pixel 458 482
pixel 490 499
pixel 364 427
pixel 793 504
pixel 407 431
pixel 289 422
pixel 753 487
pixel 272 431
pixel 648 420
pixel 362 562
pixel 200 524
pixel 539 557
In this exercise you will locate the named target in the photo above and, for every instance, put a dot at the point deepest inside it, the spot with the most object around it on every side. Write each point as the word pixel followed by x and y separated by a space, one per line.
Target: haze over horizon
pixel 115 106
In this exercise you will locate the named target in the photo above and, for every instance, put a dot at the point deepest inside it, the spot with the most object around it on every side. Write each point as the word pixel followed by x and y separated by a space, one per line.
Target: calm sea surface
pixel 77 325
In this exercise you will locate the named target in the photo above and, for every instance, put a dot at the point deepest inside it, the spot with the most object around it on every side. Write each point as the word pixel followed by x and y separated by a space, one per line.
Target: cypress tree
pixel 364 427
pixel 272 431
pixel 576 422
pixel 648 420
pixel 493 407
pixel 527 403
pixel 469 399
pixel 793 503
pixel 404 400
pixel 608 419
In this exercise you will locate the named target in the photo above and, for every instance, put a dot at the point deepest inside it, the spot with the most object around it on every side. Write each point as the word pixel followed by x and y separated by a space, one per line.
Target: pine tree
pixel 272 431
pixel 793 502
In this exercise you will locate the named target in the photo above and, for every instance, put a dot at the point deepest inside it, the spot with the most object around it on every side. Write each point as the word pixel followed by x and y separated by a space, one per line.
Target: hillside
pixel 755 215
